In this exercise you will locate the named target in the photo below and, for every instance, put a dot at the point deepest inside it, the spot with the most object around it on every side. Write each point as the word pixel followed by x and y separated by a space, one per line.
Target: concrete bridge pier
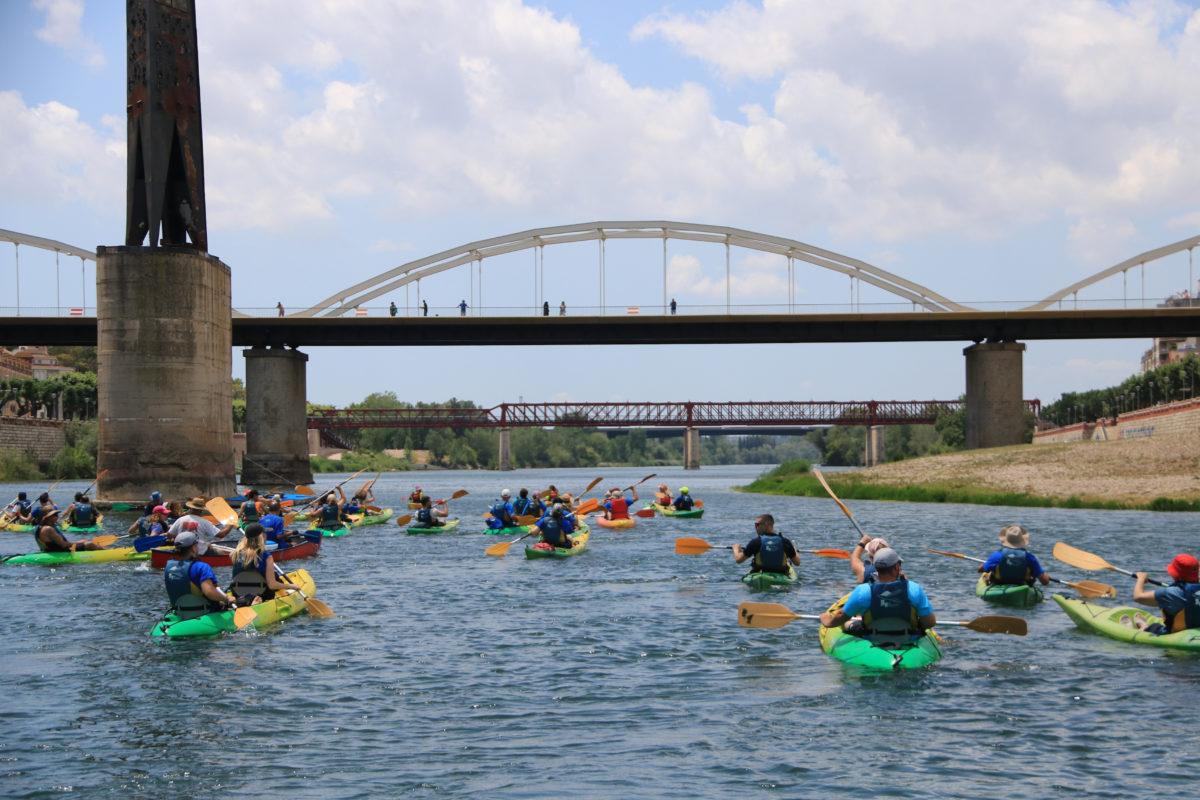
pixel 505 455
pixel 874 451
pixel 995 409
pixel 276 417
pixel 164 349
pixel 691 448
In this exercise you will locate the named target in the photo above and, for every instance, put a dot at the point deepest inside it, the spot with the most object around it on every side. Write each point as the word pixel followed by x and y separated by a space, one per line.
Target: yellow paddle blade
pixel 459 493
pixel 1079 558
pixel 526 519
pixel 1093 589
pixel 318 608
pixel 289 518
pixel 499 549
pixel 402 521
pixel 304 490
pixel 104 541
pixel 244 616
pixel 588 506
pixel 689 546
pixel 994 623
pixel 766 615
pixel 221 511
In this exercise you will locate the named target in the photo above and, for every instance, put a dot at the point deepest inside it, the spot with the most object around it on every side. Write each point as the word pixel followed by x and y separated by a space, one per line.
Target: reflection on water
pixel 620 673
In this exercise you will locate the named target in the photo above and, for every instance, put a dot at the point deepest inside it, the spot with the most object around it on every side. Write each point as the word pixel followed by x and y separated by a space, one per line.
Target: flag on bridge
pixel 76 312
pixel 633 309
pixel 360 312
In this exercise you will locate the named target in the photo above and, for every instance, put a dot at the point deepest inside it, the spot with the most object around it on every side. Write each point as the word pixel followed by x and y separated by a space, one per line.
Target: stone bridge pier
pixel 276 417
pixel 995 408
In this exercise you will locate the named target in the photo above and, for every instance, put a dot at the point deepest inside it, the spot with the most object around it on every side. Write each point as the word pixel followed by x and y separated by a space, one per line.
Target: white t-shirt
pixel 205 531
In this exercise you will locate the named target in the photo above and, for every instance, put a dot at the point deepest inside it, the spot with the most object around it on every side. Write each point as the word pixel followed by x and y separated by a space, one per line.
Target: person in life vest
pixel 361 501
pixel 81 513
pixel 19 510
pixel 525 505
pixel 662 495
pixel 1179 602
pixel 616 506
pixel 191 584
pixel 254 578
pixel 893 608
pixel 555 528
pixel 429 517
pixel 252 508
pixel 329 514
pixel 205 531
pixel 862 558
pixel 684 502
pixel 502 512
pixel 39 508
pixel 417 495
pixel 771 551
pixel 275 527
pixel 155 500
pixel 50 539
pixel 1013 564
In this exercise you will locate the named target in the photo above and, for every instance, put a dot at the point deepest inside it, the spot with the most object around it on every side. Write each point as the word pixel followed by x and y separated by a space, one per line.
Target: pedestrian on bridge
pixel 392 308
pixel 562 308
pixel 545 308
pixel 424 309
pixel 462 308
pixel 673 306
pixel 279 306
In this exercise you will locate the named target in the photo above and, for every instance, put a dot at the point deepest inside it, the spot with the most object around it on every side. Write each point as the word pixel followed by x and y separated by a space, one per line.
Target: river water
pixel 621 673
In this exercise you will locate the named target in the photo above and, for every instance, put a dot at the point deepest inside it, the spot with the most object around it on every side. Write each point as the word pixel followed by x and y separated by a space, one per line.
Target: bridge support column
pixel 995 409
pixel 165 341
pixel 504 457
pixel 276 427
pixel 874 452
pixel 691 449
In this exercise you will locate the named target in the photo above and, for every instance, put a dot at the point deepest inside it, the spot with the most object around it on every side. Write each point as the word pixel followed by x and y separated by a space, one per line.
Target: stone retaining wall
pixel 42 437
pixel 1171 419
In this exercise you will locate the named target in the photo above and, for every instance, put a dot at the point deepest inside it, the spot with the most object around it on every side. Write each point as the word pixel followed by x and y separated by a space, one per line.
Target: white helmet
pixel 506 493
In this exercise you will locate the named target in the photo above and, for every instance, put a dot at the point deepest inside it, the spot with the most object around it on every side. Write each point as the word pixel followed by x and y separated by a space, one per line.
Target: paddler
pixel 251 510
pixel 526 505
pixel 662 495
pixel 39 508
pixel 274 526
pixel 417 495
pixel 329 515
pixel 205 531
pixel 360 501
pixel 862 558
pixel 1013 564
pixel 684 502
pixel 254 578
pixel 771 551
pixel 155 500
pixel 50 539
pixel 502 512
pixel 1179 602
pixel 81 514
pixel 891 607
pixel 19 510
pixel 191 584
pixel 555 528
pixel 616 506
pixel 429 517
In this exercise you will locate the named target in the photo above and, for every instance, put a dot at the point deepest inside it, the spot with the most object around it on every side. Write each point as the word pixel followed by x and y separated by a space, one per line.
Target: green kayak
pixel 1018 596
pixel 208 626
pixel 16 527
pixel 671 511
pixel 358 521
pixel 342 531
pixel 516 530
pixel 81 557
pixel 1119 623
pixel 761 580
pixel 448 525
pixel 579 537
pixel 860 651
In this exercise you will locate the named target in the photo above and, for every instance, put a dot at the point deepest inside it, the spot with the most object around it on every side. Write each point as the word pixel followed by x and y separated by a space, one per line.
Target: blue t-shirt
pixel 859 601
pixel 200 572
pixel 993 561
pixel 273 525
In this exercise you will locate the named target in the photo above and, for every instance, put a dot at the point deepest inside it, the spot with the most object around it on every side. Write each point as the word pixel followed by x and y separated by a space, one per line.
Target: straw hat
pixel 1014 536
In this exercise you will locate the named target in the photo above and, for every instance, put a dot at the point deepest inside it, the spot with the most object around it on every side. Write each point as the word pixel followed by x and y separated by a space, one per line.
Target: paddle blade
pixel 765 615
pixel 699 504
pixel 499 549
pixel 402 521
pixel 289 518
pixel 592 485
pixel 994 623
pixel 830 552
pixel 221 511
pixel 304 490
pixel 645 512
pixel 104 541
pixel 459 493
pixel 318 608
pixel 244 616
pixel 527 519
pixel 587 506
pixel 1093 589
pixel 1079 558
pixel 686 545
pixel 144 543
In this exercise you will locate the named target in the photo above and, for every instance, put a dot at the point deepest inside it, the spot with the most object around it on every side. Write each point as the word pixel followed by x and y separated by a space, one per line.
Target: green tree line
pixel 1168 383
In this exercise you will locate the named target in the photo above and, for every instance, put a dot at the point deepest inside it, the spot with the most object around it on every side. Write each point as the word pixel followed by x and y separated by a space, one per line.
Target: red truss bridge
pixel 750 414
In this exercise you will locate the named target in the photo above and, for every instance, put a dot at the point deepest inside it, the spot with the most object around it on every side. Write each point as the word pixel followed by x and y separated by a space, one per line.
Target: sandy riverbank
pixel 1124 470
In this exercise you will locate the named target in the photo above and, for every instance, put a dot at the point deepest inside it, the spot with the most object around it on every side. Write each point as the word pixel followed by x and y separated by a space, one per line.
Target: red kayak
pixel 159 556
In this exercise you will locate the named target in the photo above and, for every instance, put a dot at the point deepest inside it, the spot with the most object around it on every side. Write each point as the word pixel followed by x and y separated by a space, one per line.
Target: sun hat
pixel 886 557
pixel 1184 568
pixel 185 540
pixel 195 504
pixel 48 511
pixel 1014 536
pixel 506 493
pixel 875 545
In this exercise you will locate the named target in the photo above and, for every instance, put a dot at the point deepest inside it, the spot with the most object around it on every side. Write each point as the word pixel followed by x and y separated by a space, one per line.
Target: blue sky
pixel 992 152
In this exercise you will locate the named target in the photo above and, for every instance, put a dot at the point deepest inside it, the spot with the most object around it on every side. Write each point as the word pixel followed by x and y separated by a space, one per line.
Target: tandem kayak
pixel 371 519
pixel 860 651
pixel 1119 623
pixel 515 530
pixel 208 626
pixel 622 523
pixel 671 511
pixel 16 527
pixel 80 557
pixel 761 580
pixel 580 539
pixel 448 525
pixel 342 531
pixel 159 556
pixel 1018 595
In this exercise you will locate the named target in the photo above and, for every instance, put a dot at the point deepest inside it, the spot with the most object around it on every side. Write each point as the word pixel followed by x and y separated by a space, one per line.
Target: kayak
pixel 16 527
pixel 761 580
pixel 81 557
pixel 1017 595
pixel 342 531
pixel 1118 623
pixel 448 525
pixel 580 538
pixel 671 511
pixel 623 523
pixel 159 556
pixel 208 626
pixel 372 519
pixel 515 530
pixel 95 527
pixel 857 650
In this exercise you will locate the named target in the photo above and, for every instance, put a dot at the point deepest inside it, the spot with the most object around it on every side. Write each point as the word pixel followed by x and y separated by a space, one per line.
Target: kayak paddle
pixel 144 543
pixel 316 608
pixel 644 512
pixel 221 511
pixel 850 516
pixel 1085 588
pixel 775 615
pixel 688 546
pixel 244 616
pixel 639 483
pixel 1085 560
pixel 93 483
pixel 402 521
pixel 587 506
pixel 501 548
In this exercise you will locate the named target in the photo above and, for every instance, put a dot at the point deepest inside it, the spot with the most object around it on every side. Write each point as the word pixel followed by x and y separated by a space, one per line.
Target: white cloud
pixel 64 29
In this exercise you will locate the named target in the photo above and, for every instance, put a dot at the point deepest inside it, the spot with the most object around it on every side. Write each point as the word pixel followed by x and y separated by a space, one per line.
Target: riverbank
pixel 1153 473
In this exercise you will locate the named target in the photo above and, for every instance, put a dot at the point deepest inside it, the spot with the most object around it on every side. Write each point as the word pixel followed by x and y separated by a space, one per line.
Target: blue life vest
pixel 770 556
pixel 350 508
pixel 1191 611
pixel 684 503
pixel 426 518
pixel 553 533
pixel 521 504
pixel 259 565
pixel 330 518
pixel 500 511
pixel 85 515
pixel 178 578
pixel 891 611
pixel 869 573
pixel 1013 568
pixel 250 511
